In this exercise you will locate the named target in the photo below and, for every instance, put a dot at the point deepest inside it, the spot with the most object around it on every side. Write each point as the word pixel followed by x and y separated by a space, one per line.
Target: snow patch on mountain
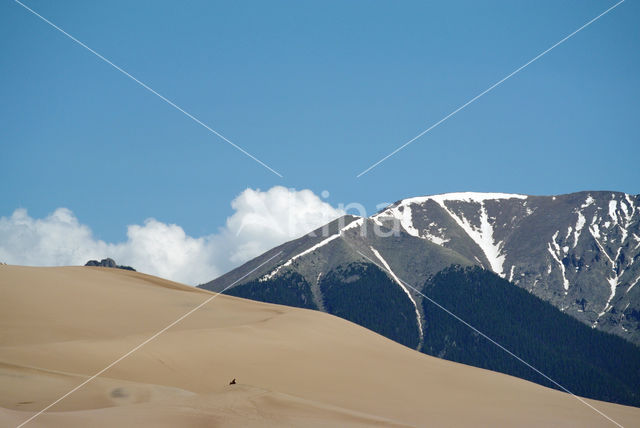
pixel 297 256
pixel 613 205
pixel 463 197
pixel 613 283
pixel 579 225
pixel 352 225
pixel 555 251
pixel 403 213
pixel 439 240
pixel 632 208
pixel 589 201
pixel 569 230
pixel 628 213
pixel 401 284
pixel 594 228
pixel 482 236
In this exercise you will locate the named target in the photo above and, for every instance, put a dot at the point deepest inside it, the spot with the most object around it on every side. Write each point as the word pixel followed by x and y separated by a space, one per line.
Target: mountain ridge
pixel 578 251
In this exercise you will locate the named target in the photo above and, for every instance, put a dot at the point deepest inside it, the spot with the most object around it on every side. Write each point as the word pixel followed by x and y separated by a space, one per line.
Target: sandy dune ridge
pixel 294 367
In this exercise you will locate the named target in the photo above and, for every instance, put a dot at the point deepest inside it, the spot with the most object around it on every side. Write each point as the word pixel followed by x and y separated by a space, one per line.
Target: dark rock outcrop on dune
pixel 110 263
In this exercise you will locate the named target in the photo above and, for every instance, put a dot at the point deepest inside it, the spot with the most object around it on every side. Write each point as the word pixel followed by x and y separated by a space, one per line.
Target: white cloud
pixel 265 219
pixel 262 220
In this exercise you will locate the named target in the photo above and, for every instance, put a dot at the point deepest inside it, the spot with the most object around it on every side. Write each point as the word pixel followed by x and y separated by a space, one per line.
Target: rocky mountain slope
pixel 579 251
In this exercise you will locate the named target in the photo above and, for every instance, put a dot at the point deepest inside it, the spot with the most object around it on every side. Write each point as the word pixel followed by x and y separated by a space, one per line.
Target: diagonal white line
pixel 490 340
pixel 147 340
pixel 498 83
pixel 163 98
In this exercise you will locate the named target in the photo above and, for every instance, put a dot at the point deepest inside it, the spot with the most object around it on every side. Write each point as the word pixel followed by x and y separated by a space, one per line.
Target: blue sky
pixel 317 90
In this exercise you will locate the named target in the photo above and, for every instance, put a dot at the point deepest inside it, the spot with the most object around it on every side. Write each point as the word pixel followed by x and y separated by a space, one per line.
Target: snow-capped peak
pixel 463 197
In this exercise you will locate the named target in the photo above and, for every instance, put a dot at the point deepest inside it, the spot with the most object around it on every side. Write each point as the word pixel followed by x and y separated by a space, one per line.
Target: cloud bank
pixel 261 220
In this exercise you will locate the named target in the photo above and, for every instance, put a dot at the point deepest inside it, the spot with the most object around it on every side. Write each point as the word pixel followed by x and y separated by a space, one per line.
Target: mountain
pixel 577 251
pixel 294 367
pixel 580 251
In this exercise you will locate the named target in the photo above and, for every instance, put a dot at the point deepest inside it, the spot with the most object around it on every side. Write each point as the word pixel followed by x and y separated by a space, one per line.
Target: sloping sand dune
pixel 294 367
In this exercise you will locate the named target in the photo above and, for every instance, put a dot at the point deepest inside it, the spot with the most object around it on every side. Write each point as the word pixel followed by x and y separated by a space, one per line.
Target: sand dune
pixel 294 367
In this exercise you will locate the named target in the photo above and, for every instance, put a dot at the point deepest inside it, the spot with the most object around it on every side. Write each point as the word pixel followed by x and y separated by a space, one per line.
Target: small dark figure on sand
pixel 233 382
